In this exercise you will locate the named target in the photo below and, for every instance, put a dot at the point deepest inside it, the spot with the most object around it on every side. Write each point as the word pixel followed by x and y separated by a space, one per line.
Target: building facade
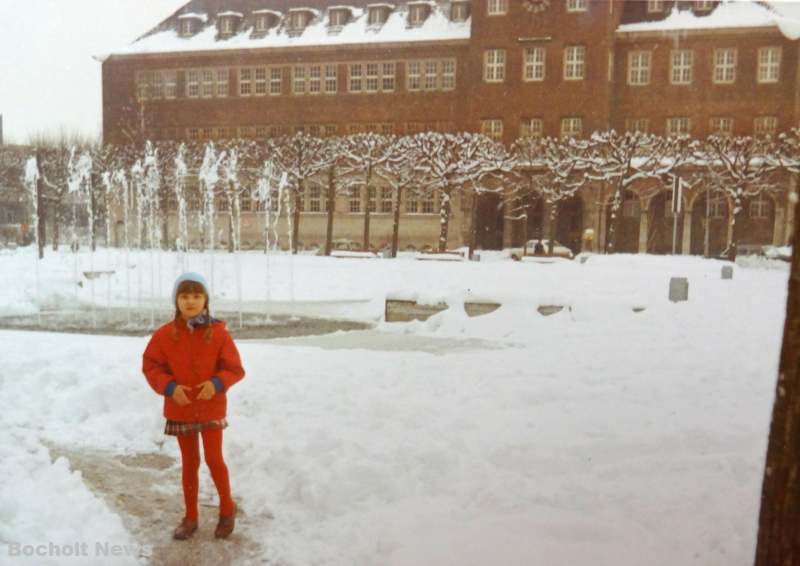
pixel 221 69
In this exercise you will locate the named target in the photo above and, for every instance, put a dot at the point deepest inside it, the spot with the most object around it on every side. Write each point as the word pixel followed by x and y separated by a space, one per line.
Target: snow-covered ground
pixel 597 435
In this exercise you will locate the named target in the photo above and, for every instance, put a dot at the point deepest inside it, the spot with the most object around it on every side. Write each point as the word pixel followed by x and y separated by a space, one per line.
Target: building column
pixel 643 230
pixel 790 205
pixel 686 244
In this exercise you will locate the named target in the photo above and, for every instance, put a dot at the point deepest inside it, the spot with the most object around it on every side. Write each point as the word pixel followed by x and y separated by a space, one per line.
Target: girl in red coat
pixel 192 361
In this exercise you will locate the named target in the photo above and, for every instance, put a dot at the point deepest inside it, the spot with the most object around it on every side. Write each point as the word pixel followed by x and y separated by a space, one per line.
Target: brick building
pixel 507 68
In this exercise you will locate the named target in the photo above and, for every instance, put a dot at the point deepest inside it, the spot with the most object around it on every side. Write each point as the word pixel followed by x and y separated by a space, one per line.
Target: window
pixel 186 27
pixel 377 15
pixel 703 5
pixel 492 129
pixel 574 62
pixel 678 125
pixel 631 208
pixel 655 6
pixel 222 83
pixel 261 23
pixel 372 77
pixel 192 84
pixel 577 5
pixel 253 80
pixel 765 125
pixel 718 207
pixel 338 18
pixel 459 11
pixel 355 199
pixel 275 80
pixel 431 74
pixel 315 199
pixel 496 7
pixel 313 79
pixel 531 127
pixel 637 125
pixel 193 134
pixel 681 61
pixel 724 66
pixel 245 202
pixel 533 67
pixel 769 64
pixel 386 200
pixel 417 14
pixel 494 65
pixel 299 79
pixel 226 25
pixel 372 193
pixel 297 20
pixel 638 68
pixel 759 208
pixel 412 205
pixel 428 204
pixel 571 127
pixel 721 126
pixel 156 85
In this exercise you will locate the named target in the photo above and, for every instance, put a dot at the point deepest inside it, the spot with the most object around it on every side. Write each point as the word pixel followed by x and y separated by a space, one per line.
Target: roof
pixel 727 15
pixel 165 37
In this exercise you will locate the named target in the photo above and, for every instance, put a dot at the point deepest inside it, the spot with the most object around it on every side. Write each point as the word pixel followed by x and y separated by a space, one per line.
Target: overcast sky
pixel 48 78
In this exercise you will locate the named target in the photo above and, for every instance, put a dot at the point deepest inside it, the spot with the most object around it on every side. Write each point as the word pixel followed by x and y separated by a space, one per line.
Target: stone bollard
pixel 727 272
pixel 678 289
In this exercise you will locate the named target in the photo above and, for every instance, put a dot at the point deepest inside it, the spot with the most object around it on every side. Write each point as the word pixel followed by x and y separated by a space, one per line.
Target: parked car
pixel 540 247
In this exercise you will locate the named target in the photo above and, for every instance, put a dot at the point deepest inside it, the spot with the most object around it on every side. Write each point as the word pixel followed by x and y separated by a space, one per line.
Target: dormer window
pixel 265 20
pixel 338 16
pixel 188 24
pixel 703 5
pixel 377 14
pixel 228 22
pixel 298 19
pixel 459 10
pixel 418 13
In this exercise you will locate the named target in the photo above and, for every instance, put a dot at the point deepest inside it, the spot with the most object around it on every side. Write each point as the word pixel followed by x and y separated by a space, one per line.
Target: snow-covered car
pixel 783 253
pixel 559 250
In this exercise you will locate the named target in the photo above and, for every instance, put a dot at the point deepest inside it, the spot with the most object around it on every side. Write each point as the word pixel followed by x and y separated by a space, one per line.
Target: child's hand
pixel 207 390
pixel 179 395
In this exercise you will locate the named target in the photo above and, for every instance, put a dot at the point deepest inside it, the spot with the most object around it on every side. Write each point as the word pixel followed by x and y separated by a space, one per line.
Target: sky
pixel 50 81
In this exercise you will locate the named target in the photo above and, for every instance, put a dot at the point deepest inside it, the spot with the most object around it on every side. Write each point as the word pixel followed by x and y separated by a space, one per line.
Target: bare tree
pixel 448 163
pixel 302 157
pixel 741 168
pixel 363 155
pixel 624 159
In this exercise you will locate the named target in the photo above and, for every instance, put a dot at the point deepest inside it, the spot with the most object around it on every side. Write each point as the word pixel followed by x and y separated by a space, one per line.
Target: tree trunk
pixel 444 220
pixel 40 211
pixel 93 213
pixel 473 231
pixel 367 210
pixel 56 210
pixel 736 219
pixel 615 227
pixel 551 228
pixel 230 231
pixel 331 209
pixel 396 221
pixel 778 533
pixel 296 221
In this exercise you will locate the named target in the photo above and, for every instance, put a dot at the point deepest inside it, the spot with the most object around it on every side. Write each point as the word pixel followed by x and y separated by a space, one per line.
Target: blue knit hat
pixel 189 276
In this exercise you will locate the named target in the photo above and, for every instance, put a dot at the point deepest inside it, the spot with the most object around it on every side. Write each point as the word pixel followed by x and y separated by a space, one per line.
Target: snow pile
pixel 48 516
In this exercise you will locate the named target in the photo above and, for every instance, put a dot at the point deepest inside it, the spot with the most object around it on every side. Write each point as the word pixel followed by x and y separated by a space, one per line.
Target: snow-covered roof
pixel 430 3
pixel 381 5
pixel 269 12
pixel 351 8
pixel 193 16
pixel 437 27
pixel 728 14
pixel 303 9
pixel 230 13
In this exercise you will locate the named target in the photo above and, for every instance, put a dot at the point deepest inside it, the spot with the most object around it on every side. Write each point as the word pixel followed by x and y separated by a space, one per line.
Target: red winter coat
pixel 190 361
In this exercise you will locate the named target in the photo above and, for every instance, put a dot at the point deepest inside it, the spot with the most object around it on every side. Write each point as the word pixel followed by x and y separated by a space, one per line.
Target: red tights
pixel 190 456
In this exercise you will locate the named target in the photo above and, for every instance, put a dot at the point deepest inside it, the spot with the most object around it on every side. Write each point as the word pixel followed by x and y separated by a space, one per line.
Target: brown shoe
pixel 225 525
pixel 185 530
